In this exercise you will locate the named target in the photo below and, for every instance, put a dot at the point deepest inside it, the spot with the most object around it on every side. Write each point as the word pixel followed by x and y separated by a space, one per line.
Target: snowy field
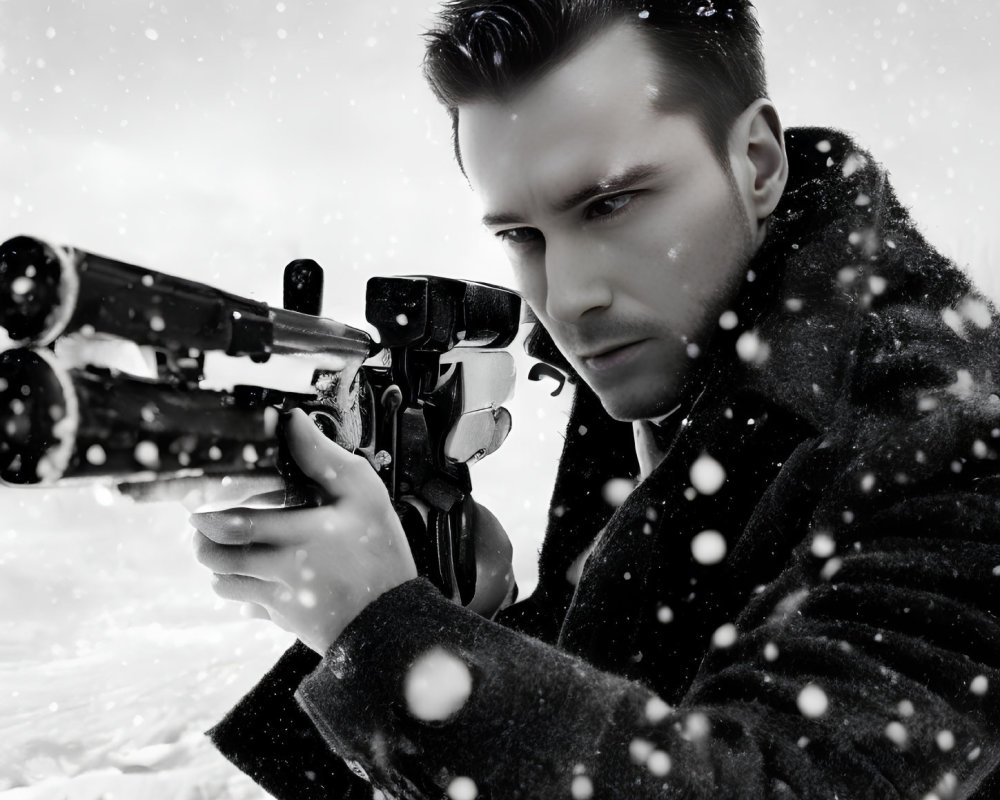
pixel 220 140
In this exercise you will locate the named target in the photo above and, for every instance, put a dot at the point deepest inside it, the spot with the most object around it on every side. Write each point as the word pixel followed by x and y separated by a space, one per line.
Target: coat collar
pixel 816 277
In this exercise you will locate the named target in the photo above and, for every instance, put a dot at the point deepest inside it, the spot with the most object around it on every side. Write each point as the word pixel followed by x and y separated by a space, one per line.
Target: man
pixel 798 600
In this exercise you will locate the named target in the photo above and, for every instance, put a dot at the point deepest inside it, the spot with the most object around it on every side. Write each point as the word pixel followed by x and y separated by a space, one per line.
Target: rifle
pixel 420 405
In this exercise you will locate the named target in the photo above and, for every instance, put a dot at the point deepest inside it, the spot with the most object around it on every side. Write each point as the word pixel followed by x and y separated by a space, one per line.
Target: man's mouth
pixel 608 358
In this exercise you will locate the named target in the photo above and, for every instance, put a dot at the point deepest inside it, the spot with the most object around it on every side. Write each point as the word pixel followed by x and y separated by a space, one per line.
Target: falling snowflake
pixel 812 701
pixel 724 636
pixel 752 349
pixel 953 320
pixel 617 490
pixel 945 740
pixel 147 454
pixel 463 788
pixel 437 685
pixel 657 710
pixel 823 545
pixel 22 286
pixel 707 474
pixel 977 312
pixel 96 455
pixel 640 750
pixel 708 547
pixel 582 787
pixel 658 763
pixel 728 320
pixel 897 734
pixel 696 727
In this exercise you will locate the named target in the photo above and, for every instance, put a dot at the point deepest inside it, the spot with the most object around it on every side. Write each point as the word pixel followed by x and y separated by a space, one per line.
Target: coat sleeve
pixel 270 738
pixel 869 668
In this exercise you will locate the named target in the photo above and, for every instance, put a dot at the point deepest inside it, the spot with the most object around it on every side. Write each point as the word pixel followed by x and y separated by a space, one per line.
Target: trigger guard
pixel 326 423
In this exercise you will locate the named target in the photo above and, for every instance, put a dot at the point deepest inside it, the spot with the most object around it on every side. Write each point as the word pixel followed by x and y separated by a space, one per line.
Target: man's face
pixel 625 233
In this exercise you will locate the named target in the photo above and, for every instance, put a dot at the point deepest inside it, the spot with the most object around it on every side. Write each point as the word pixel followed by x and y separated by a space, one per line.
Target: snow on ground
pixel 114 654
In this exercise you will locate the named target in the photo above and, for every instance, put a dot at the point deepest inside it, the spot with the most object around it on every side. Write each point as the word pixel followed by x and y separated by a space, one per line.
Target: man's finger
pixel 254 611
pixel 232 526
pixel 265 562
pixel 320 458
pixel 271 499
pixel 274 526
pixel 249 590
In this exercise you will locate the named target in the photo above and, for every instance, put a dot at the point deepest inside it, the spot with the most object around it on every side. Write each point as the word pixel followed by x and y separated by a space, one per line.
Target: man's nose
pixel 577 280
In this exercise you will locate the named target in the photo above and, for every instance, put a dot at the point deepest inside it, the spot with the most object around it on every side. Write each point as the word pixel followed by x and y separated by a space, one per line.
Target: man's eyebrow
pixel 616 182
pixel 609 184
pixel 501 219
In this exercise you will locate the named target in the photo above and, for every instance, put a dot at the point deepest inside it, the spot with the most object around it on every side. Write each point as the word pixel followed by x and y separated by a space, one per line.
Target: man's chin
pixel 625 406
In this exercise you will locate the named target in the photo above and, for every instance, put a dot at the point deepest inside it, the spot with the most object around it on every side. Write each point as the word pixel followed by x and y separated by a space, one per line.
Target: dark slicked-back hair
pixel 481 50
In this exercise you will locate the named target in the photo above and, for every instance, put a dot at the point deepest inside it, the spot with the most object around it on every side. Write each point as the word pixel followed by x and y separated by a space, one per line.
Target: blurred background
pixel 218 141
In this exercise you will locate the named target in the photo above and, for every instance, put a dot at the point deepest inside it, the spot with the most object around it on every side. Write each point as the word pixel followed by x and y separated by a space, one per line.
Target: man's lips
pixel 607 358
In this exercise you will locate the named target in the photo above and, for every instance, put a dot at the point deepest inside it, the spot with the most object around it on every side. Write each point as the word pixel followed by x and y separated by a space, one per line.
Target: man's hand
pixel 310 570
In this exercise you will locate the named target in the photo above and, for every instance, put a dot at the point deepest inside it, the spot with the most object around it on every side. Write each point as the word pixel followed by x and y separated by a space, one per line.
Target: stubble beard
pixel 680 379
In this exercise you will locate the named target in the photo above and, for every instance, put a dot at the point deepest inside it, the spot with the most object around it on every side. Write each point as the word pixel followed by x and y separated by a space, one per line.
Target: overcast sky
pixel 221 139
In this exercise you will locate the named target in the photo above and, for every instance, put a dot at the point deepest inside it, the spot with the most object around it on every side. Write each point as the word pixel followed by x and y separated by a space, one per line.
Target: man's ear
pixel 757 147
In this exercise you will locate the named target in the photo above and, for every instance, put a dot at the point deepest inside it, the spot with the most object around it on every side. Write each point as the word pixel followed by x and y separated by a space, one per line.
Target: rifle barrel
pixel 90 423
pixel 47 291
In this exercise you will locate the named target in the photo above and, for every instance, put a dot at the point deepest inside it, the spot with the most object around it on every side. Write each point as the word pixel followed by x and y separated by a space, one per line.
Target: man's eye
pixel 520 236
pixel 607 206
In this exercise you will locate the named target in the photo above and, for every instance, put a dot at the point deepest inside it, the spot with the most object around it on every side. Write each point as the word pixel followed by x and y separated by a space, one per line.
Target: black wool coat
pixel 847 644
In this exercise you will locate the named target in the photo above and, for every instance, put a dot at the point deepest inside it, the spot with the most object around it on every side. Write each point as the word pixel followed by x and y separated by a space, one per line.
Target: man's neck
pixel 661 419
pixel 650 444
